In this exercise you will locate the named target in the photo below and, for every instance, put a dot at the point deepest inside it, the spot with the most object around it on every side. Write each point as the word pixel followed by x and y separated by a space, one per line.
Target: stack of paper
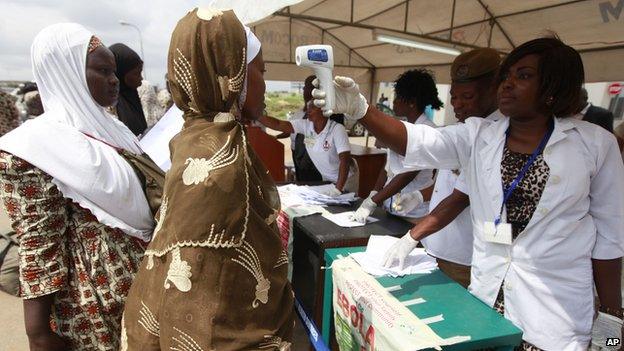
pixel 371 261
pixel 606 327
pixel 292 194
pixel 344 219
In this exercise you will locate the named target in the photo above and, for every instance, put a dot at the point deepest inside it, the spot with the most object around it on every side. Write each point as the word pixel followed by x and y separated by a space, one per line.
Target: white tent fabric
pixel 249 11
pixel 594 27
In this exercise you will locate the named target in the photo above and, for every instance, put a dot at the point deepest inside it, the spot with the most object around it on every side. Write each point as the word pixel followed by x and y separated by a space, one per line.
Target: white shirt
pixel 324 147
pixel 454 242
pixel 423 180
pixel 295 116
pixel 547 270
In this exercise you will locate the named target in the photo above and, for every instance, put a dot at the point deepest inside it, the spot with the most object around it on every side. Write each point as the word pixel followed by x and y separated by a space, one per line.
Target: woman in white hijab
pixel 78 207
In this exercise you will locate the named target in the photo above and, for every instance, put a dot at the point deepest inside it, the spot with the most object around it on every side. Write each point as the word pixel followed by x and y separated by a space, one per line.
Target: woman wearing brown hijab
pixel 214 276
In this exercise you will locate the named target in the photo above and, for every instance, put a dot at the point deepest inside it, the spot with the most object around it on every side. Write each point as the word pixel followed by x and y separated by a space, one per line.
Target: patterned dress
pixel 65 250
pixel 521 204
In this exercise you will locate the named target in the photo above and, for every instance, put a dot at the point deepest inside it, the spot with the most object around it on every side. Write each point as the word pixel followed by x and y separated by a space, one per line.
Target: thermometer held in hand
pixel 321 59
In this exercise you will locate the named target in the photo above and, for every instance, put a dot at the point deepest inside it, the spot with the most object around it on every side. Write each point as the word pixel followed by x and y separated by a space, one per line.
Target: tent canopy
pixel 594 27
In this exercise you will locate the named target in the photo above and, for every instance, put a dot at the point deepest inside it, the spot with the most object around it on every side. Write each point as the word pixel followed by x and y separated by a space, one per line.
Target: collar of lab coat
pixel 422 119
pixel 494 133
pixel 494 137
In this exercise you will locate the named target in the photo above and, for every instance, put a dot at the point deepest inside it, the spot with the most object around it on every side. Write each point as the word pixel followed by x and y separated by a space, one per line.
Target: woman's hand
pixel 47 341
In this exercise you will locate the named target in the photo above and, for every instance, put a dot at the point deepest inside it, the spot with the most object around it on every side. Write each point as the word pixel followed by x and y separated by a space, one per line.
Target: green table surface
pixel 463 313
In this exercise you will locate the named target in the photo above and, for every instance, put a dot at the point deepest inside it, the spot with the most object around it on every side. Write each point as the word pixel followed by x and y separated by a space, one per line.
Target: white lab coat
pixel 547 270
pixel 452 243
pixel 423 180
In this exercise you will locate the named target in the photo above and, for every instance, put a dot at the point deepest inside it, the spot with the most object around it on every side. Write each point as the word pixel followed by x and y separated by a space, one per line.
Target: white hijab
pixel 85 170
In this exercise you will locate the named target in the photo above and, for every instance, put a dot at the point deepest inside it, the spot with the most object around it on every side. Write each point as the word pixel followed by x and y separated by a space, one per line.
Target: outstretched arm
pixel 276 124
pixel 441 216
pixel 395 186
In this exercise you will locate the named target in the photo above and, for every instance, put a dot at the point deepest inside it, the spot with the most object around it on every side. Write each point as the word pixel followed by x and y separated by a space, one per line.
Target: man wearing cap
pixel 473 94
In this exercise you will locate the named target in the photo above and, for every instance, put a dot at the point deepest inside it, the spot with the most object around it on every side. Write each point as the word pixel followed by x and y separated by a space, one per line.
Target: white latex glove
pixel 366 208
pixel 348 98
pixel 405 203
pixel 332 192
pixel 399 251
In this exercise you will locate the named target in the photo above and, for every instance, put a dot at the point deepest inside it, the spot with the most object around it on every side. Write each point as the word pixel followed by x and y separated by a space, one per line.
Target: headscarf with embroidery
pixel 219 204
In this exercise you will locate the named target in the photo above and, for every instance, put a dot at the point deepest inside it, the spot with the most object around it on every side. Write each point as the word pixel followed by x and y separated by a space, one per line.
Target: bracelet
pixel 616 312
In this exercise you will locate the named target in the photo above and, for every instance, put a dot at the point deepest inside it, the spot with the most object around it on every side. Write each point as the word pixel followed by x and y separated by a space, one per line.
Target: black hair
pixel 561 74
pixel 418 86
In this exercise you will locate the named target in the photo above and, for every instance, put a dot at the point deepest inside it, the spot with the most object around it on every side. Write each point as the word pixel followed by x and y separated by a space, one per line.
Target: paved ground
pixel 13 336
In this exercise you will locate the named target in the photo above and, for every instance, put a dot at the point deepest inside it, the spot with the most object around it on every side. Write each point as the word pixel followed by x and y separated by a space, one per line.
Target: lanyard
pixel 118 149
pixel 507 192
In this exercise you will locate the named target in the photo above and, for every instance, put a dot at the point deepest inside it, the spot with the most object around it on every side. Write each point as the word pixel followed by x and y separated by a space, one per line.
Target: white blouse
pixel 547 270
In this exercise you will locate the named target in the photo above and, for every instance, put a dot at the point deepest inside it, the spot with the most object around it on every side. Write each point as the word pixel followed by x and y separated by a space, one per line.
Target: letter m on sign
pixel 607 8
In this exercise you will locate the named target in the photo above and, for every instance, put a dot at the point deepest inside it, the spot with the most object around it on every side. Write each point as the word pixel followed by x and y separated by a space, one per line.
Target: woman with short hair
pixel 401 192
pixel 545 195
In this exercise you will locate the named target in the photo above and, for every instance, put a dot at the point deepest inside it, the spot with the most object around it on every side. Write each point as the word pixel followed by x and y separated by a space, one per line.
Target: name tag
pixel 499 234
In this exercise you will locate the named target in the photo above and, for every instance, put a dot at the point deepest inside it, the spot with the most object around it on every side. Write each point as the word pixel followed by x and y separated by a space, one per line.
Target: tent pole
pixel 371 98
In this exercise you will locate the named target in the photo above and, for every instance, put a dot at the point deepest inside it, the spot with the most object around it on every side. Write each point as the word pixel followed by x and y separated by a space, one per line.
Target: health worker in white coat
pixel 545 195
pixel 404 192
pixel 327 143
pixel 473 94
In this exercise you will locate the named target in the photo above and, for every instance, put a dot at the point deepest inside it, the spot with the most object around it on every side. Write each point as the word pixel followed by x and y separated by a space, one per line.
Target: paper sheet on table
pixel 606 327
pixel 372 259
pixel 292 194
pixel 322 189
pixel 156 142
pixel 343 219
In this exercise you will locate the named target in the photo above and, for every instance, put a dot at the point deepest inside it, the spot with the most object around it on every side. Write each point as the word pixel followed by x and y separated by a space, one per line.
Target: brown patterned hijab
pixel 207 64
pixel 216 257
pixel 216 187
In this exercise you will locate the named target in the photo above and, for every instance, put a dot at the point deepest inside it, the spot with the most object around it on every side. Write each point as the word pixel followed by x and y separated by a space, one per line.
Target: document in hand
pixel 371 260
pixel 292 194
pixel 156 142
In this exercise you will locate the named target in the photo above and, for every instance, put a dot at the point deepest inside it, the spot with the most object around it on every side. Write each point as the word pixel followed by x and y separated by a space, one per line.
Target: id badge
pixel 499 234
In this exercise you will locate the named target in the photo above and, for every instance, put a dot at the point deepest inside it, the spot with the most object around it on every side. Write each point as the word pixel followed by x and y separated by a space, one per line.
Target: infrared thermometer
pixel 321 59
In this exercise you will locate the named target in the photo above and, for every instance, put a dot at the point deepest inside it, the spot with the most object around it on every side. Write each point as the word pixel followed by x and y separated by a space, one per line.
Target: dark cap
pixel 474 64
